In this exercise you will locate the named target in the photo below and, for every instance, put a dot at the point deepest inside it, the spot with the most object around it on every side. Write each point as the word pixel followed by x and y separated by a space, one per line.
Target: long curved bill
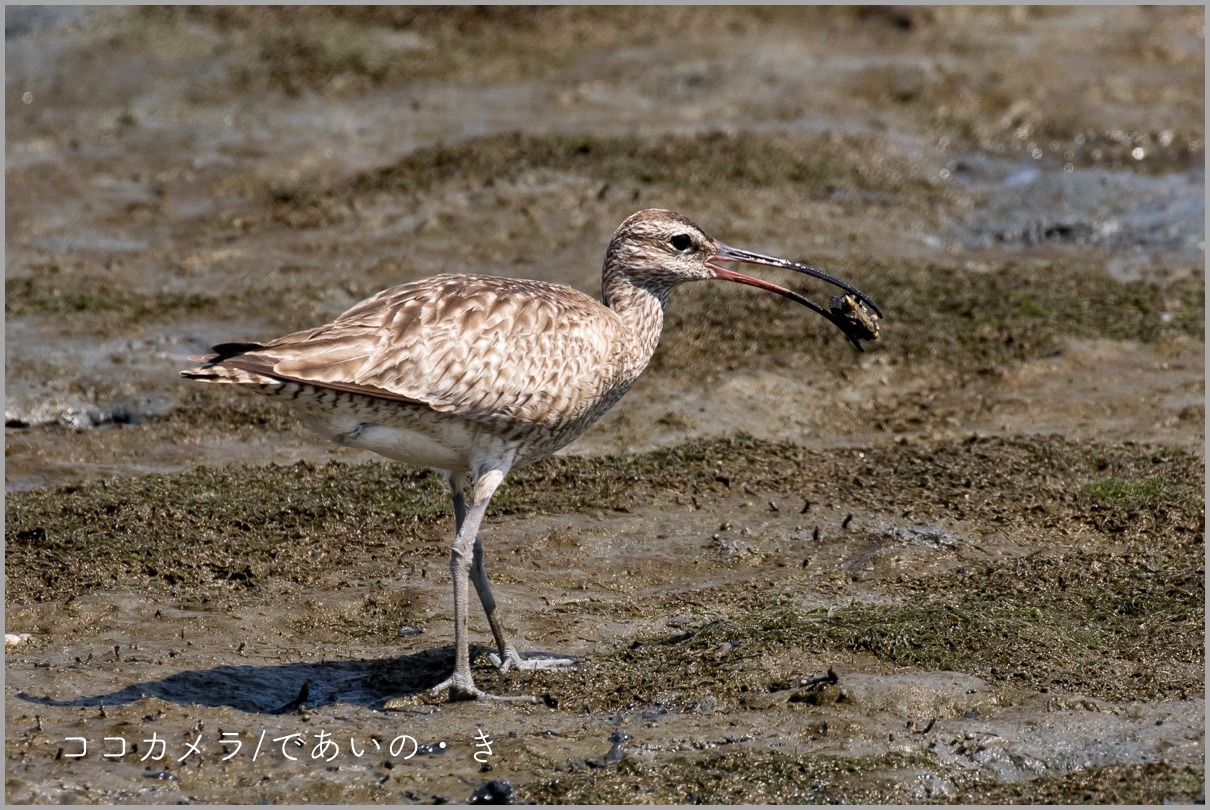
pixel 854 314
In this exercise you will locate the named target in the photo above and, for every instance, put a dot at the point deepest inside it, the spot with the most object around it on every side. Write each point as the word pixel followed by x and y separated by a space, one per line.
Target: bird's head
pixel 660 249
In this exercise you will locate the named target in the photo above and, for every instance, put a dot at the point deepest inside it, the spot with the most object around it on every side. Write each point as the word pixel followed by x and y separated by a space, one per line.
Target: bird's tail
pixel 213 368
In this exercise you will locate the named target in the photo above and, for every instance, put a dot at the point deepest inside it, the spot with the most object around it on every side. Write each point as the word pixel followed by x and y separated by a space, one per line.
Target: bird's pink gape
pixel 726 253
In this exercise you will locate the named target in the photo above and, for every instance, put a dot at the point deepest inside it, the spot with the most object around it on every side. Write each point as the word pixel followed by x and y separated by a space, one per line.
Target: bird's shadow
pixel 279 689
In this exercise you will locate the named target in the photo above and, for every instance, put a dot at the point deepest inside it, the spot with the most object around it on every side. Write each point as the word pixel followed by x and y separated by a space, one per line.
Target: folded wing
pixel 482 347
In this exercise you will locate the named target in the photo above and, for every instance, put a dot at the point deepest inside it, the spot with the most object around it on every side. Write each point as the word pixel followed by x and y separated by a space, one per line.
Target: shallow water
pixel 1138 219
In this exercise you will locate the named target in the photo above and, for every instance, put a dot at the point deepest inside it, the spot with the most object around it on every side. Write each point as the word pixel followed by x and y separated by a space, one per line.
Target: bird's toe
pixel 538 661
pixel 463 688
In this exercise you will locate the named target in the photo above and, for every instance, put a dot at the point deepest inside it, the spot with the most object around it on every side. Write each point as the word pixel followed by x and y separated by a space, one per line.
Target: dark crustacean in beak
pixel 855 313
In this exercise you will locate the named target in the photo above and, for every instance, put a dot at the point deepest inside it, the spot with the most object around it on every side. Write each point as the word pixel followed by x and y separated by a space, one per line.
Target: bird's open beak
pixel 855 314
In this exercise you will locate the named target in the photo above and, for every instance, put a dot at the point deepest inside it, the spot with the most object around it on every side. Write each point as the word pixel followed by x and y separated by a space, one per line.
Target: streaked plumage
pixel 475 375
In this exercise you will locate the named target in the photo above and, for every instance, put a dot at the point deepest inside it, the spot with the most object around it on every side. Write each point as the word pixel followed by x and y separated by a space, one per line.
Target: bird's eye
pixel 681 242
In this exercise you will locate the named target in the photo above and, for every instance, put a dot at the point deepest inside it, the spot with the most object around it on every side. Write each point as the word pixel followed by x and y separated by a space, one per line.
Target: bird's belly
pixel 423 437
pixel 453 450
pixel 411 434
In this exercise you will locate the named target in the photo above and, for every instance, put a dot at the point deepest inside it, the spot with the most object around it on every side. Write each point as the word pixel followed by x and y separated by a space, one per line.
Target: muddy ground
pixel 966 566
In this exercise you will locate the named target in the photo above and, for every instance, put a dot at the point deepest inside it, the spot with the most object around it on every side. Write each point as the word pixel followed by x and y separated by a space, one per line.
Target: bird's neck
pixel 640 306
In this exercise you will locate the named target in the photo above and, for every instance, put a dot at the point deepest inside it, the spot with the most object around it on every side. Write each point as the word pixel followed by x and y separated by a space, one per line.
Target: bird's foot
pixel 542 661
pixel 462 687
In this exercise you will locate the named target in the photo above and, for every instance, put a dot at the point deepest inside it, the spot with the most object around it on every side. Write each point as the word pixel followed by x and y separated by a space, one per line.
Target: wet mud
pixel 965 566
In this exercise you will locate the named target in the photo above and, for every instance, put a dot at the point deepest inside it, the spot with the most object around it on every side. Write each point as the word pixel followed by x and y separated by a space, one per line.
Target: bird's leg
pixel 461 684
pixel 508 653
pixel 508 657
pixel 457 484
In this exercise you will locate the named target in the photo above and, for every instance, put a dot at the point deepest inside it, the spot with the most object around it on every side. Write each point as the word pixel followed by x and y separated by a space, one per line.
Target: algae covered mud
pixel 967 566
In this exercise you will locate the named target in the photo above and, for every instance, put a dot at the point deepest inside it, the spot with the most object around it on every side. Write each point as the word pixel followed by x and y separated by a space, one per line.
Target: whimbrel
pixel 476 375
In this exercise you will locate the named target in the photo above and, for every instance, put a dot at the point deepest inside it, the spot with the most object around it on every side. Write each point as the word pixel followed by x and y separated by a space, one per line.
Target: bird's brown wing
pixel 478 346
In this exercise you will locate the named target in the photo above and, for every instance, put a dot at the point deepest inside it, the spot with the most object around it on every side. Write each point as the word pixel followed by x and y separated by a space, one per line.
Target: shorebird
pixel 474 376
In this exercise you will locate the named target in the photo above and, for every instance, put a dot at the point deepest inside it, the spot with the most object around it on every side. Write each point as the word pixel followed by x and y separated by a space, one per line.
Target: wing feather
pixel 483 347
